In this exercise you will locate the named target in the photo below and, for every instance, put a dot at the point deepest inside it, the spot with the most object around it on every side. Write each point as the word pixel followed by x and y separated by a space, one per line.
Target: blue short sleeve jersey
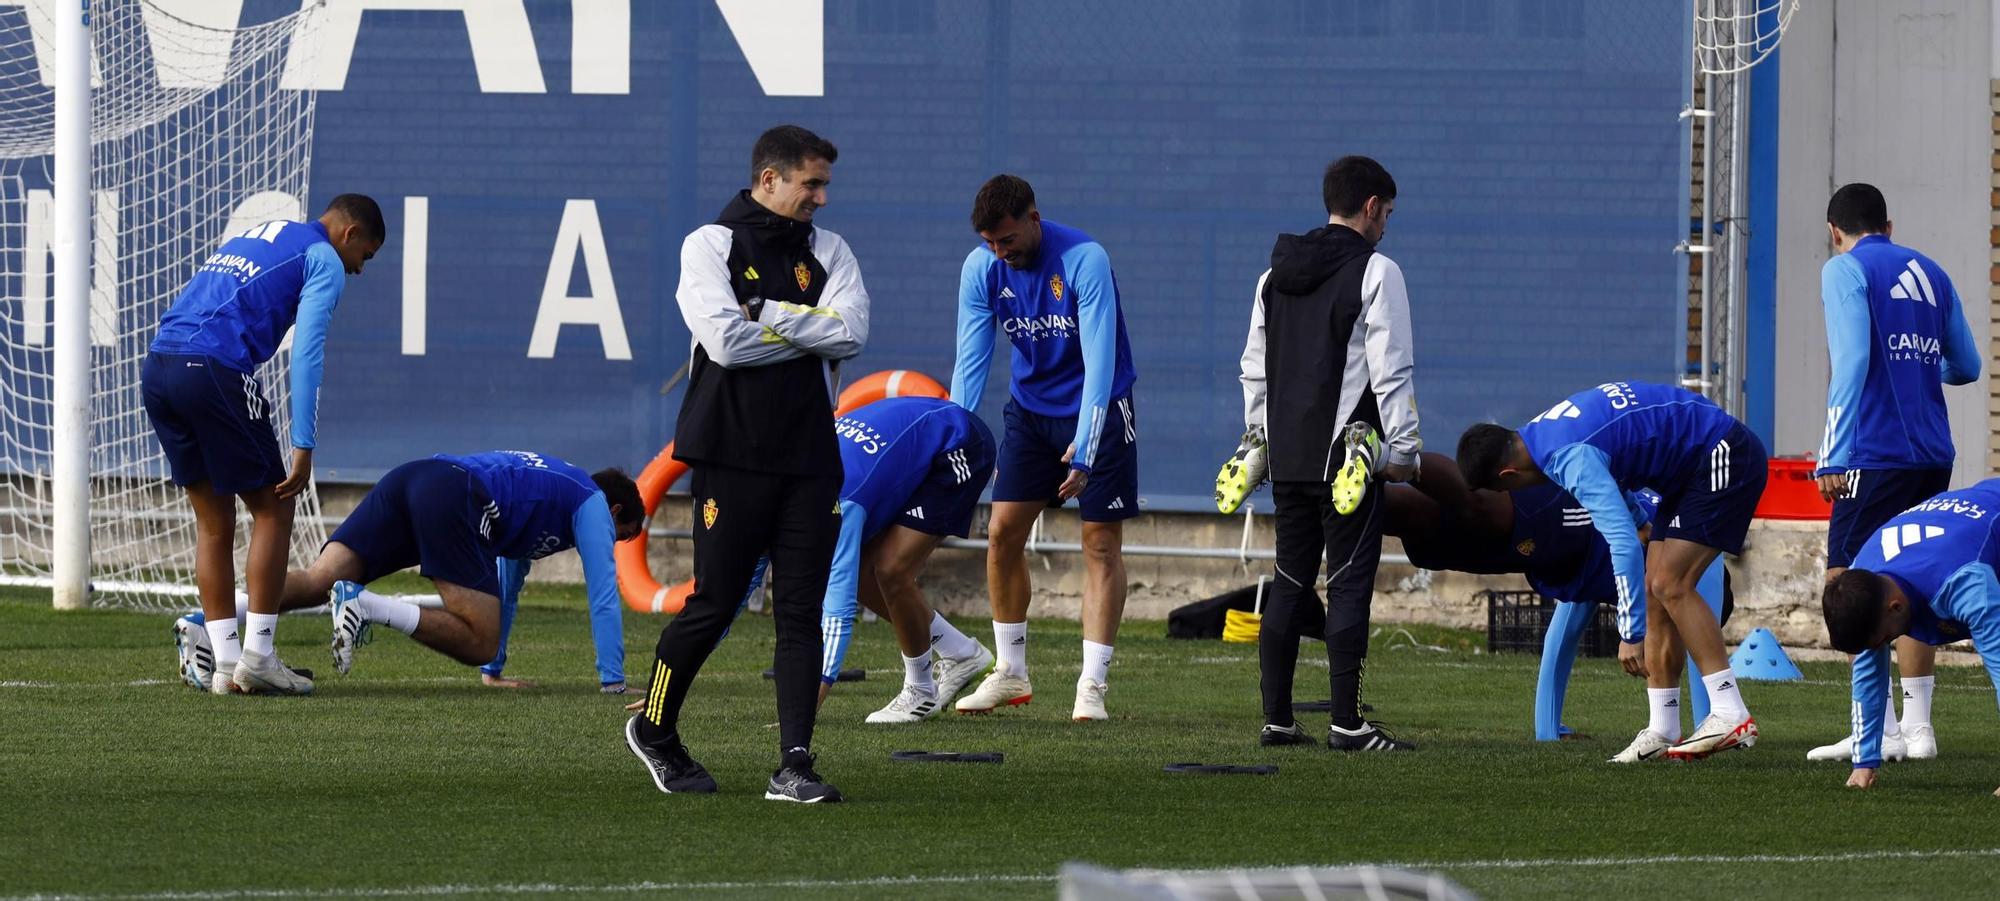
pixel 1942 554
pixel 1064 318
pixel 1896 333
pixel 248 294
pixel 1600 443
pixel 535 499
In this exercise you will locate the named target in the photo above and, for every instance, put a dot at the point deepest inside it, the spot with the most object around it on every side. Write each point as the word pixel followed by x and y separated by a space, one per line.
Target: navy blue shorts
pixel 1714 504
pixel 1031 466
pixel 1875 496
pixel 949 496
pixel 425 514
pixel 213 422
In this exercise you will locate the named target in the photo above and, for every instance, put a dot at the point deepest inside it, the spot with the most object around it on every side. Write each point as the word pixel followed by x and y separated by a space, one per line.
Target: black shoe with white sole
pixel 796 781
pixel 673 771
pixel 1274 736
pixel 1370 737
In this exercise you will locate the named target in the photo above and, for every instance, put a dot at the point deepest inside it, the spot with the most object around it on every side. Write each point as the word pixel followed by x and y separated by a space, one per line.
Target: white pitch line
pixel 519 888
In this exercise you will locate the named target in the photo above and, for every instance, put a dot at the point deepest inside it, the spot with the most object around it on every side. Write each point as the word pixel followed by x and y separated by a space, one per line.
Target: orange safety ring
pixel 636 584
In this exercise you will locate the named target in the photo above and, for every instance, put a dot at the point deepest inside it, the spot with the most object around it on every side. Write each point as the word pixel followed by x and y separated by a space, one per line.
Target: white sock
pixel 1917 700
pixel 917 673
pixel 390 612
pixel 948 641
pixel 222 638
pixel 1890 727
pixel 259 631
pixel 1724 699
pixel 1663 712
pixel 1010 641
pixel 1096 660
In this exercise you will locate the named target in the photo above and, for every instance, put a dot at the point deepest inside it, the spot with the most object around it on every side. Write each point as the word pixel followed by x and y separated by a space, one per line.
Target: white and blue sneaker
pixel 197 658
pixel 350 628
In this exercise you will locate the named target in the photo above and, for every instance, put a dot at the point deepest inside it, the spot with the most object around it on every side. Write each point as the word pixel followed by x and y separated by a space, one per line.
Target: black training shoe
pixel 1274 736
pixel 1370 737
pixel 673 770
pixel 796 781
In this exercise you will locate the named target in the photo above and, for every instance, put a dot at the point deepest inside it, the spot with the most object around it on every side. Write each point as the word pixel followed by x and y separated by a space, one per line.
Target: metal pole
pixel 1738 221
pixel 70 449
pixel 1705 379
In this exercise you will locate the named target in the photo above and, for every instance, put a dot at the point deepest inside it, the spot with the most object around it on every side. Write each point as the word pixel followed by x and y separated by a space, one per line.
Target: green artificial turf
pixel 407 777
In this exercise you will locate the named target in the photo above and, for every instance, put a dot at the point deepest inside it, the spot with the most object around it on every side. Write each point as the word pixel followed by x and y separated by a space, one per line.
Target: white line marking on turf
pixel 523 888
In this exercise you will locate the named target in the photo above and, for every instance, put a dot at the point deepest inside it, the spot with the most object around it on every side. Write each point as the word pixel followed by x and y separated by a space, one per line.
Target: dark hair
pixel 1350 181
pixel 786 148
pixel 361 210
pixel 1482 450
pixel 1858 209
pixel 1001 197
pixel 621 492
pixel 1853 604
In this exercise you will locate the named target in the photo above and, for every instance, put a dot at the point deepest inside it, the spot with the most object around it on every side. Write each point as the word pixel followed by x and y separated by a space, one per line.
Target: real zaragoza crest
pixel 804 275
pixel 708 511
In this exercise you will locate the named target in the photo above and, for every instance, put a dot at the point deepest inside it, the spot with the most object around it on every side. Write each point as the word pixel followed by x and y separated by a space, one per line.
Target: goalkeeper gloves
pixel 1241 473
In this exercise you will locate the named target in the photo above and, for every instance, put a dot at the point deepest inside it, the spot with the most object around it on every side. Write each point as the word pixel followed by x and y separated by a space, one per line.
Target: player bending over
pixel 1928 574
pixel 1709 470
pixel 455 518
pixel 214 421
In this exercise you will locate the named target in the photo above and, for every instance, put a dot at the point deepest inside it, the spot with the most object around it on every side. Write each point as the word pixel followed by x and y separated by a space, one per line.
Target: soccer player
pixel 460 519
pixel 1709 470
pixel 1070 431
pixel 1895 332
pixel 915 467
pixel 1327 376
pixel 774 304
pixel 1927 574
pixel 213 420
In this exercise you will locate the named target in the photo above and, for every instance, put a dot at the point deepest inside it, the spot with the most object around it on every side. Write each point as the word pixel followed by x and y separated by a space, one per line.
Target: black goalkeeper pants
pixel 740 516
pixel 1309 530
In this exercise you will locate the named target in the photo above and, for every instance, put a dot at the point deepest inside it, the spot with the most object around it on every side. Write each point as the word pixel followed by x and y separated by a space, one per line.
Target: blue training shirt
pixel 1071 356
pixel 542 505
pixel 1942 554
pixel 247 294
pixel 888 449
pixel 1618 437
pixel 1895 331
pixel 1567 557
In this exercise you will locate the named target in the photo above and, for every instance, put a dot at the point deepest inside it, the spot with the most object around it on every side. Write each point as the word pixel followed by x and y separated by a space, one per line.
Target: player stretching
pixel 1895 330
pixel 214 421
pixel 1070 430
pixel 454 518
pixel 1709 470
pixel 1928 574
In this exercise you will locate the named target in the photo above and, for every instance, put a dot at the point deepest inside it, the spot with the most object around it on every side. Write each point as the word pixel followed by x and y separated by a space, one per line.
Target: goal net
pixel 193 139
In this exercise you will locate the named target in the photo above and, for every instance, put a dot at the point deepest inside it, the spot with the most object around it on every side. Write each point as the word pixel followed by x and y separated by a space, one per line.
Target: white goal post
pixel 124 166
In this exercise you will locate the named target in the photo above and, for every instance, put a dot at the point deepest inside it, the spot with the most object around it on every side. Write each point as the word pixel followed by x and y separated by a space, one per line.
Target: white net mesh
pixel 193 140
pixel 1734 35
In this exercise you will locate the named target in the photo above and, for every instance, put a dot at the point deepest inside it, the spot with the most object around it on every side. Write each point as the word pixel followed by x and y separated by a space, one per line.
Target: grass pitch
pixel 410 778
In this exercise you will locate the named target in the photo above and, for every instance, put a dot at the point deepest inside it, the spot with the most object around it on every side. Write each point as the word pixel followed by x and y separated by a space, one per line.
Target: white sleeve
pixel 713 316
pixel 1391 359
pixel 1252 374
pixel 837 328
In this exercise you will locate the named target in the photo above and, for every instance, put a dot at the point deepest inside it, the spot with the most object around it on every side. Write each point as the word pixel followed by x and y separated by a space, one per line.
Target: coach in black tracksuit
pixel 774 305
pixel 1329 345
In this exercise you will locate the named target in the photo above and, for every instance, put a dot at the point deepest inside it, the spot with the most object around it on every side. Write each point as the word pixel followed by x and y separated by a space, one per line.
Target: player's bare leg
pixel 1104 589
pixel 1665 658
pixel 1008 590
pixel 466 630
pixel 1673 570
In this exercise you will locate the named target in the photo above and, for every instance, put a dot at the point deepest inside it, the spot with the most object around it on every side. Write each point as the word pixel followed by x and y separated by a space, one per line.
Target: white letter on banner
pixel 503 47
pixel 181 60
pixel 579 231
pixel 784 41
pixel 600 47
pixel 416 272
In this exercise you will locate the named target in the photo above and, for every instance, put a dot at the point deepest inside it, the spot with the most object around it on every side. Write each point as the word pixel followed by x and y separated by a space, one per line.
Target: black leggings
pixel 1309 530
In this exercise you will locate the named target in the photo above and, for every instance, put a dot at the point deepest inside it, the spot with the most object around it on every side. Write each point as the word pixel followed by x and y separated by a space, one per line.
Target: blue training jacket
pixel 1895 332
pixel 247 294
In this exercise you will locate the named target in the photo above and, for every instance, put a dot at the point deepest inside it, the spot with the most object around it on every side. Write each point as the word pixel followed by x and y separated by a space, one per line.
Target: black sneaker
pixel 1370 737
pixel 796 781
pixel 1274 736
pixel 673 770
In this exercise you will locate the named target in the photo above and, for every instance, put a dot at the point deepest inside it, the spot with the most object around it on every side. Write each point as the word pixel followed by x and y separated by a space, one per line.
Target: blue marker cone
pixel 1761 657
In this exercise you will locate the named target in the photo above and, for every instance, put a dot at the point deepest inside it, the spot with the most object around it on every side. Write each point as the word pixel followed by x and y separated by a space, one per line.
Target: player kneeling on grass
pixel 454 517
pixel 1928 574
